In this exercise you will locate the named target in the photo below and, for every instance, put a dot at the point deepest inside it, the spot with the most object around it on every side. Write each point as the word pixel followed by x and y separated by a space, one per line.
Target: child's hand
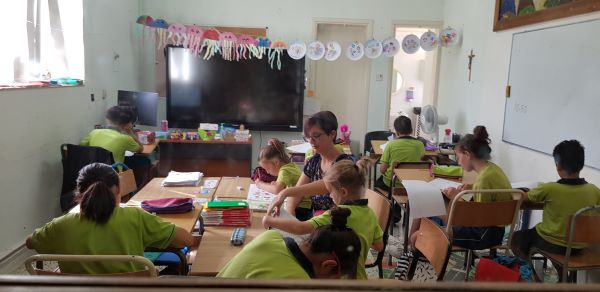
pixel 452 192
pixel 266 221
pixel 276 204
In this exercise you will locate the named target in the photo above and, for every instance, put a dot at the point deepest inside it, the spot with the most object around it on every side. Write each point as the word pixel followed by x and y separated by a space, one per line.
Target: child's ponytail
pixel 349 175
pixel 274 149
pixel 94 191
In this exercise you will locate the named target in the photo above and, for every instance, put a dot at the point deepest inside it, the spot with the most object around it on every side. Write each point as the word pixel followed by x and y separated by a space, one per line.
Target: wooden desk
pixel 215 249
pixel 228 188
pixel 148 149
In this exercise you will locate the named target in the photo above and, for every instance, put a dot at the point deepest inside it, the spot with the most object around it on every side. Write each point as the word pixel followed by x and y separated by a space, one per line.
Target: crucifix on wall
pixel 471 56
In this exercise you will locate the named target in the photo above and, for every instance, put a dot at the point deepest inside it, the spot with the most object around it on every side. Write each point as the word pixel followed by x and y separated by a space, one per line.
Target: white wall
pixel 35 122
pixel 289 20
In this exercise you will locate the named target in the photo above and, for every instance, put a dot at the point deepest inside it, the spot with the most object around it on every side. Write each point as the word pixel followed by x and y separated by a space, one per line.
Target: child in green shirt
pixel 103 228
pixel 561 200
pixel 276 162
pixel 331 251
pixel 346 183
pixel 404 149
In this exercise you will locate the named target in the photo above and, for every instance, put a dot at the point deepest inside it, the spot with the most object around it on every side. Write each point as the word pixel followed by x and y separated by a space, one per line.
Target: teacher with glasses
pixel 320 130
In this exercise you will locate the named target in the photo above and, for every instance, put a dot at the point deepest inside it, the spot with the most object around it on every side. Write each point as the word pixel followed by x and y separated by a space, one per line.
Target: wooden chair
pixel 582 228
pixel 150 270
pixel 483 214
pixel 382 207
pixel 432 243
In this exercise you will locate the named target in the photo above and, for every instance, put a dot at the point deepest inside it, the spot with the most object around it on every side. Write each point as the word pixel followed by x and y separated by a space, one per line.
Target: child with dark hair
pixel 118 137
pixel 103 228
pixel 405 148
pixel 346 184
pixel 331 251
pixel 473 154
pixel 561 200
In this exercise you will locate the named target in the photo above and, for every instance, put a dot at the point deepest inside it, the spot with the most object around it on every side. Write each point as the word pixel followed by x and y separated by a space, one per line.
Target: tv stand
pixel 213 158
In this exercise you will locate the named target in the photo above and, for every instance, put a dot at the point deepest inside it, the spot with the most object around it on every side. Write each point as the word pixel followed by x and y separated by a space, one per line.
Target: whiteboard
pixel 554 80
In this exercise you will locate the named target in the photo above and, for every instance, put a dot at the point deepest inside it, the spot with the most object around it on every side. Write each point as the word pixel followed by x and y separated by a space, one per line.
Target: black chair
pixel 375 135
pixel 74 158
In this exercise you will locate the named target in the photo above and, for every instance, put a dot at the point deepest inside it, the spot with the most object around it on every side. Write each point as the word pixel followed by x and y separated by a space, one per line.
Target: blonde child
pixel 345 182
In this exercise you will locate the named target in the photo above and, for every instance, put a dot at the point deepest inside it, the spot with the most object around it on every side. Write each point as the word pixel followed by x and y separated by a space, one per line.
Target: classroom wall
pixel 291 20
pixel 35 122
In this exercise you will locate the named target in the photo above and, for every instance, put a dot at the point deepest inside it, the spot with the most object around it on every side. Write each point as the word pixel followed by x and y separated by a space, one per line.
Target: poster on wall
pixel 515 13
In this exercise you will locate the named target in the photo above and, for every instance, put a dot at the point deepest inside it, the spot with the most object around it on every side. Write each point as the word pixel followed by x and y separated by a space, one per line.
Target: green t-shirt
pixel 128 232
pixel 364 222
pixel 288 175
pixel 404 149
pixel 265 257
pixel 111 140
pixel 492 177
pixel 561 200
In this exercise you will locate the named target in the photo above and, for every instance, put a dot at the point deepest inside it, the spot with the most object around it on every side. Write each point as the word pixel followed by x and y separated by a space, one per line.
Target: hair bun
pixel 339 217
pixel 480 133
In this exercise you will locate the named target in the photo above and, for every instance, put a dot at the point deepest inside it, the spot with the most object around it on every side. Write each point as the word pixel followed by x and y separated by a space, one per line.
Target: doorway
pixel 342 86
pixel 414 76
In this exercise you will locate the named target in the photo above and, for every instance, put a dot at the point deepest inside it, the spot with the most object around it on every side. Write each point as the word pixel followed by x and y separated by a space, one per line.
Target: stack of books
pixel 182 179
pixel 226 213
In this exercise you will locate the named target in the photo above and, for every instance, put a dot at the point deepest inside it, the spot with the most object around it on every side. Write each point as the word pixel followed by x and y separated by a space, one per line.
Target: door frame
pixel 420 24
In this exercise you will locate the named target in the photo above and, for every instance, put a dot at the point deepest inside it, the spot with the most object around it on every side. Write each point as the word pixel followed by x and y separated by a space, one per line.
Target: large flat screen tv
pixel 245 92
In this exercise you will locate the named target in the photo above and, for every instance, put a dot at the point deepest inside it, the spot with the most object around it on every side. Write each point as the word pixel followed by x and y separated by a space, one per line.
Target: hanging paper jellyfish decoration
pixel 159 27
pixel 143 21
pixel 211 43
pixel 228 45
pixel 262 44
pixel 193 39
pixel 177 34
pixel 275 53
pixel 246 47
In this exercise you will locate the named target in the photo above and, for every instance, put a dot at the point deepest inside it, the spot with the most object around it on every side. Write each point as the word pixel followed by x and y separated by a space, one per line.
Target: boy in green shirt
pixel 404 149
pixel 561 200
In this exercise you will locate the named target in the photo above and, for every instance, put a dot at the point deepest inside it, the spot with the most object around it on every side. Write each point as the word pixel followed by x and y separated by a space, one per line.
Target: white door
pixel 342 86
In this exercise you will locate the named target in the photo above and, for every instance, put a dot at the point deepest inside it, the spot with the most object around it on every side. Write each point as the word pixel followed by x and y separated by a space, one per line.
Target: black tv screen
pixel 245 92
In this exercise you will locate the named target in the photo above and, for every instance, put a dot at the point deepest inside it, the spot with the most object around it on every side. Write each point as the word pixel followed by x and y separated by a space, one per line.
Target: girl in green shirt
pixel 103 228
pixel 345 182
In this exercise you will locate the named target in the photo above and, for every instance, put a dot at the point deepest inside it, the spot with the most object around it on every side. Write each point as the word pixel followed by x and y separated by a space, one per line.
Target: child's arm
pixel 29 242
pixel 292 226
pixel 183 238
pixel 378 246
pixel 383 167
pixel 273 188
pixel 309 189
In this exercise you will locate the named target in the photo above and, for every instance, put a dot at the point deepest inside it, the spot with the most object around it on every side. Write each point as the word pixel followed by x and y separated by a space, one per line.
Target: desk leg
pixel 406 226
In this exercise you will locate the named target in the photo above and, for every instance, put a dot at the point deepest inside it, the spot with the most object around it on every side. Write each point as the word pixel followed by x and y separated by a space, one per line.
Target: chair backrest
pixel 150 269
pixel 381 206
pixel 375 135
pixel 484 214
pixel 584 226
pixel 434 244
pixel 412 165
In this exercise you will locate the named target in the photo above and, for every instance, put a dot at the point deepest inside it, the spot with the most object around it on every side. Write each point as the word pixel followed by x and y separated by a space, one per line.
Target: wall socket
pixel 92 98
pixel 104 94
pixel 379 77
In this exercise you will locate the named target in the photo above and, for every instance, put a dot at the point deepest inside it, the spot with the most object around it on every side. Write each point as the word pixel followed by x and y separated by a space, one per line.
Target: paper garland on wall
pixel 231 47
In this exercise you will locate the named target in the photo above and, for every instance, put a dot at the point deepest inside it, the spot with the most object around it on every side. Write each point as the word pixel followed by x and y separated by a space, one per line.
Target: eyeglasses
pixel 313 137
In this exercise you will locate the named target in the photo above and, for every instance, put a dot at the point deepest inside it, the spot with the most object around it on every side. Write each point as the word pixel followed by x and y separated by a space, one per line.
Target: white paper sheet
pixel 382 146
pixel 211 183
pixel 441 183
pixel 425 200
pixel 300 148
pixel 258 199
pixel 525 184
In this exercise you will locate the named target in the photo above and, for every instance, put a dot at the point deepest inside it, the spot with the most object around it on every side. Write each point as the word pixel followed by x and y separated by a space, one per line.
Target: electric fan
pixel 428 121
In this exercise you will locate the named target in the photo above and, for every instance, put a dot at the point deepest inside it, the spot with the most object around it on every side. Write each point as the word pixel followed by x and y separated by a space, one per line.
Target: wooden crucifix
pixel 471 56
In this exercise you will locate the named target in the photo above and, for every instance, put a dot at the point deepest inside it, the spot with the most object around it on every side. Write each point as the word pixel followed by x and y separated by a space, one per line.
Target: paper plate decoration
pixel 262 44
pixel 275 52
pixel 159 27
pixel 373 48
pixel 334 50
pixel 143 21
pixel 448 37
pixel 315 50
pixel 228 42
pixel 194 39
pixel 176 33
pixel 390 47
pixel 297 50
pixel 410 44
pixel 246 47
pixel 355 51
pixel 210 43
pixel 429 41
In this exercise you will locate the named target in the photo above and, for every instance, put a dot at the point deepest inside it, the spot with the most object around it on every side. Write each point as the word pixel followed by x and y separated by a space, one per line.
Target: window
pixel 43 40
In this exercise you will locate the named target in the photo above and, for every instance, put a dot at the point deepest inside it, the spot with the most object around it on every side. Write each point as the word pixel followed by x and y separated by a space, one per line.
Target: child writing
pixel 561 200
pixel 274 160
pixel 473 154
pixel 345 182
pixel 103 228
pixel 404 149
pixel 331 251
